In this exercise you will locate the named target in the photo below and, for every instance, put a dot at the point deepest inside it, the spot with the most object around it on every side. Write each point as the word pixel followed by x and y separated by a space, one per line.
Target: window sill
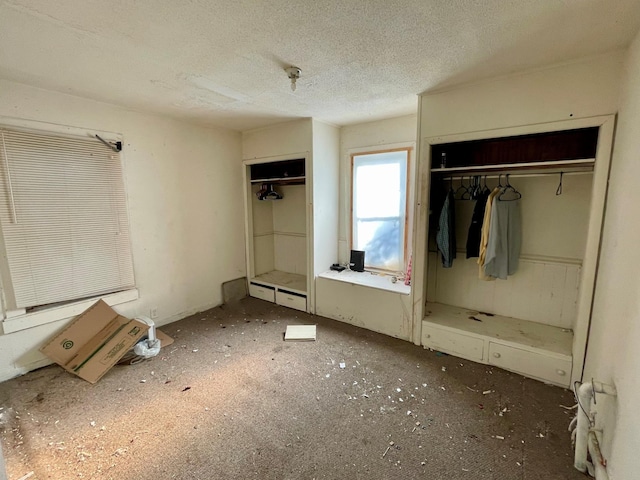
pixel 366 279
pixel 35 319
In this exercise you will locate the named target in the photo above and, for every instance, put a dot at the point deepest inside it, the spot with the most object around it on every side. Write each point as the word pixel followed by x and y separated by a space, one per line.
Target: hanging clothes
pixel 505 239
pixel 446 234
pixel 474 236
pixel 484 239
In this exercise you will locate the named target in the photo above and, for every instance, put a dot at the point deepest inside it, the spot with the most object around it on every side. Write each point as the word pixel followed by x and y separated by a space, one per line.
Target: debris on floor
pixel 424 424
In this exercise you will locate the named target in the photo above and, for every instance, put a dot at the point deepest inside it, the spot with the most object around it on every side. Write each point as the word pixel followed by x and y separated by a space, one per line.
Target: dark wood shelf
pixel 544 149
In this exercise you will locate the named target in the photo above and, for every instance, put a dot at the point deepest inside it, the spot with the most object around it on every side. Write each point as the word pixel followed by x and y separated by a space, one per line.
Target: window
pixel 379 207
pixel 65 232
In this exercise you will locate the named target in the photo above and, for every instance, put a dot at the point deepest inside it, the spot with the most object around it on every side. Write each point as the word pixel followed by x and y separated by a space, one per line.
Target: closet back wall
pixel 289 230
pixel 264 257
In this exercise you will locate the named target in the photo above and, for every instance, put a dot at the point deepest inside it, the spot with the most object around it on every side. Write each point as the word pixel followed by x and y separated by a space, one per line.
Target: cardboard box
pixel 94 342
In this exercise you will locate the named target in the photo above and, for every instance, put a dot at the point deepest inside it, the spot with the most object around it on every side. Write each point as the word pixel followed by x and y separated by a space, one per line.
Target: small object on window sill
pixel 337 267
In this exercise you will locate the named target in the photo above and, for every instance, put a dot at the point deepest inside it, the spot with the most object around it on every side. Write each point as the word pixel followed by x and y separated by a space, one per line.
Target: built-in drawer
pixel 262 291
pixel 547 368
pixel 461 345
pixel 291 300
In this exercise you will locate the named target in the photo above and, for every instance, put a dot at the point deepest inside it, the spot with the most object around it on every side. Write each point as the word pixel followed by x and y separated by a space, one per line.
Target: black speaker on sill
pixel 356 263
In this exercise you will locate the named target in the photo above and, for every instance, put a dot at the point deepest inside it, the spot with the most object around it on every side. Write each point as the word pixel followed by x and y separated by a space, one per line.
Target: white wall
pixel 326 173
pixel 374 135
pixel 278 140
pixel 185 203
pixel 612 354
pixel 580 89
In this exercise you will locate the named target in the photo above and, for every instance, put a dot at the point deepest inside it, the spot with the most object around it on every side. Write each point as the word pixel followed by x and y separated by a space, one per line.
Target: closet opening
pixel 508 224
pixel 277 222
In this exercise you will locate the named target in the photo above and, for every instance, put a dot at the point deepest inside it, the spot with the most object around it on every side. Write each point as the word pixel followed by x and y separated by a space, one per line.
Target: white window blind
pixel 63 217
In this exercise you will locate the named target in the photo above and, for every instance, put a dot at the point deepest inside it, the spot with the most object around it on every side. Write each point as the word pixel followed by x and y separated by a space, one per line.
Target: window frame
pixel 405 241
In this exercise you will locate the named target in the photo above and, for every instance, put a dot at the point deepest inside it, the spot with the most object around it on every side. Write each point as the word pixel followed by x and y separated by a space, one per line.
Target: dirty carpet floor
pixel 231 400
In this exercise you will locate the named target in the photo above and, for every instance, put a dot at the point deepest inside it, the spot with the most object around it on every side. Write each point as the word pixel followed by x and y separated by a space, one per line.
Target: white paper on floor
pixel 300 333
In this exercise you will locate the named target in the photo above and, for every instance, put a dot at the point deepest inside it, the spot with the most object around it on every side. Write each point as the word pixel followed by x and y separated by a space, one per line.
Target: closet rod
pixel 513 175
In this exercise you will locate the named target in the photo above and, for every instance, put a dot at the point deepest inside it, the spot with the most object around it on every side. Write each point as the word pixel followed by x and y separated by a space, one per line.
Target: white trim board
pixel 54 314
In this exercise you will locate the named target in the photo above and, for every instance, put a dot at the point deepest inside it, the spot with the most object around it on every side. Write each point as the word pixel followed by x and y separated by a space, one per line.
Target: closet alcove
pixel 536 321
pixel 278 247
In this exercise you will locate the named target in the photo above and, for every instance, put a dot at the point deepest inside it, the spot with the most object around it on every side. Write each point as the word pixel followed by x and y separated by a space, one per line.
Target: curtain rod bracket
pixel 115 146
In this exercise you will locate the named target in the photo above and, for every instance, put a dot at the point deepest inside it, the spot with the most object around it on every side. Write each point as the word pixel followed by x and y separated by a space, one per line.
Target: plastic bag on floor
pixel 146 348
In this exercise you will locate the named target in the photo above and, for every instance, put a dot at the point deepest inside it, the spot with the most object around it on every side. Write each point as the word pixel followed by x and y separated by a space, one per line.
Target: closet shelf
pixel 281 181
pixel 533 336
pixel 581 165
pixel 291 281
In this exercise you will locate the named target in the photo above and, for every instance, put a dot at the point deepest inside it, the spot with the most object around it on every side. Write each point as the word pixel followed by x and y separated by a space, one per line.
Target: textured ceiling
pixel 221 62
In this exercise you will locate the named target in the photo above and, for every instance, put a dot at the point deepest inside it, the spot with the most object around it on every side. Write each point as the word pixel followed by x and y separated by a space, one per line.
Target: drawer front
pixel 291 300
pixel 535 365
pixel 457 344
pixel 263 292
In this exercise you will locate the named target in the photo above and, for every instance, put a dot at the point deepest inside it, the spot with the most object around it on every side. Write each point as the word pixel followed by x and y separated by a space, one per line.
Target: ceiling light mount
pixel 294 74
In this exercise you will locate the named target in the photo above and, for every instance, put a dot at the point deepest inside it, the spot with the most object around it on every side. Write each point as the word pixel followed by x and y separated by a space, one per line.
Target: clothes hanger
pixel 508 188
pixel 486 189
pixel 559 189
pixel 477 188
pixel 269 193
pixel 472 188
pixel 467 195
pixel 461 187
